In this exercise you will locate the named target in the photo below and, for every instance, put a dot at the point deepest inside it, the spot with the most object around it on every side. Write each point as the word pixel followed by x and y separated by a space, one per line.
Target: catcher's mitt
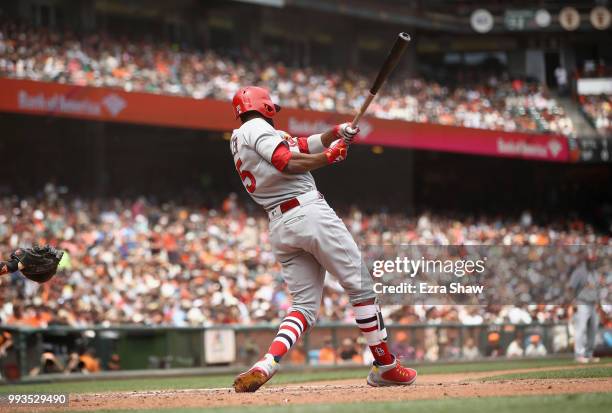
pixel 39 264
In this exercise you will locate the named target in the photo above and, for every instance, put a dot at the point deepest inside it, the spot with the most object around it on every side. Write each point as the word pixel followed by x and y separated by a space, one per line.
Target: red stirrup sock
pixel 370 322
pixel 290 330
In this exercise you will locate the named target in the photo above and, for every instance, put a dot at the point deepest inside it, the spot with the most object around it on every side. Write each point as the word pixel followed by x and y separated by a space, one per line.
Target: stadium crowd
pixel 599 110
pixel 140 262
pixel 498 103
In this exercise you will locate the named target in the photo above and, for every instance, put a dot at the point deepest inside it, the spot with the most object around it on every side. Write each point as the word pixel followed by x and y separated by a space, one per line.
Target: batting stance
pixel 306 235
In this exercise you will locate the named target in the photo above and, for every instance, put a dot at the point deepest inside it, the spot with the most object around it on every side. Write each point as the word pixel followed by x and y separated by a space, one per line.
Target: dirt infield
pixel 435 386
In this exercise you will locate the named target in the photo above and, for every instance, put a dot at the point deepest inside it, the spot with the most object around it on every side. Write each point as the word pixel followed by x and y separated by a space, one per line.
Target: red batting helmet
pixel 254 98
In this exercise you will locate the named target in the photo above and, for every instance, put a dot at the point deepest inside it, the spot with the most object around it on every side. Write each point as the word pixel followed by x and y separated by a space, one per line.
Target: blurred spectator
pixel 348 353
pixel 114 364
pixel 83 363
pixel 448 348
pixel 561 76
pixel 516 347
pixel 297 355
pixel 599 110
pixel 49 364
pixel 123 264
pixel 6 341
pixel 560 339
pixel 535 348
pixel 470 350
pixel 401 347
pixel 327 354
pixel 432 349
pixel 100 60
pixel 493 348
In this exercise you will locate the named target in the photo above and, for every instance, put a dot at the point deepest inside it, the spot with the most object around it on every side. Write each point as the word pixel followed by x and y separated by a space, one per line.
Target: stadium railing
pixel 231 347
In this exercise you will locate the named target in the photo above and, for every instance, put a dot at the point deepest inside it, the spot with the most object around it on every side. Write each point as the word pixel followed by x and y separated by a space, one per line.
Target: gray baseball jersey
pixel 252 146
pixel 308 240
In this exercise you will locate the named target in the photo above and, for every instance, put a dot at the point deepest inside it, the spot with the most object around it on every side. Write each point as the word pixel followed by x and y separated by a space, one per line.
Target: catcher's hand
pixel 38 263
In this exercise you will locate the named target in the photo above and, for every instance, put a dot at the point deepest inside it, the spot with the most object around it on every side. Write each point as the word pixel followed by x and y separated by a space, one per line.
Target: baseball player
pixel 586 286
pixel 307 236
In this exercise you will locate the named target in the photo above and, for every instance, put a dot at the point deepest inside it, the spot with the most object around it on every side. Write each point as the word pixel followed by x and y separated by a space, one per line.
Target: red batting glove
pixel 337 151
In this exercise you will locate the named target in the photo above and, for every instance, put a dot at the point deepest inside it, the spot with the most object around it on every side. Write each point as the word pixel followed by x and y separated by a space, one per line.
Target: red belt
pixel 292 203
pixel 289 205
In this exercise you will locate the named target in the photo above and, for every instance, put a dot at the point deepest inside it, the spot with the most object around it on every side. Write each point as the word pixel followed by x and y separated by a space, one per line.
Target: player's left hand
pixel 346 132
pixel 38 263
pixel 337 151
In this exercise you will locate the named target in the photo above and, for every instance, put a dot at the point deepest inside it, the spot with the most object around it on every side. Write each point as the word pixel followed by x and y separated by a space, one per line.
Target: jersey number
pixel 244 175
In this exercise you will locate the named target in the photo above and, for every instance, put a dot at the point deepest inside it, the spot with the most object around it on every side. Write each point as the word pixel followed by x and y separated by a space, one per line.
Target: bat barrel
pixel 390 62
pixel 392 59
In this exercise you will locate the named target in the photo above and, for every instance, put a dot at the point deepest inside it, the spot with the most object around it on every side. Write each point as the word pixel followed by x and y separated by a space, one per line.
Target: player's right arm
pixel 269 144
pixel 321 141
pixel 273 148
pixel 342 131
pixel 317 151
pixel 304 162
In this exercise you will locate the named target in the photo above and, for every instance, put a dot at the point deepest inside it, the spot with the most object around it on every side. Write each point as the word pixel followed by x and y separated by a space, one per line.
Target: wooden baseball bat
pixel 390 62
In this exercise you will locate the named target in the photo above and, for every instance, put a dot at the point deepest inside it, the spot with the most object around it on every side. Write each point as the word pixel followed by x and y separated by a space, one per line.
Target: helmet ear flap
pixel 269 108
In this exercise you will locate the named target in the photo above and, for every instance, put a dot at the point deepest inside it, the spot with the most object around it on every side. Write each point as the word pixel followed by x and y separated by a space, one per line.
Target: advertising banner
pixel 434 137
pixel 110 105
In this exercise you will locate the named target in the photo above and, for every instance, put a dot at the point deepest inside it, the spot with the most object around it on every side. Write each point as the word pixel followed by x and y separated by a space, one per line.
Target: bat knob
pixel 405 36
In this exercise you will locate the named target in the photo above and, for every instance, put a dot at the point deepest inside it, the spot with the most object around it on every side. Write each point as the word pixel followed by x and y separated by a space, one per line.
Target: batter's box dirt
pixel 460 385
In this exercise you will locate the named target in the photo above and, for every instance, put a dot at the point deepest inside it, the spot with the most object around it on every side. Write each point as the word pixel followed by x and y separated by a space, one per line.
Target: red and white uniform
pixel 308 239
pixel 253 146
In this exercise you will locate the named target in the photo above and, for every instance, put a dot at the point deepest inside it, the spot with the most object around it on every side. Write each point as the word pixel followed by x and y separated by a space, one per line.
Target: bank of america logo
pixel 554 147
pixel 114 104
pixel 365 128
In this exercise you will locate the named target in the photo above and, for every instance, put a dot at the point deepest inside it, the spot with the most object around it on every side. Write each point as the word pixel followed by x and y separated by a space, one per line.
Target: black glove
pixel 39 264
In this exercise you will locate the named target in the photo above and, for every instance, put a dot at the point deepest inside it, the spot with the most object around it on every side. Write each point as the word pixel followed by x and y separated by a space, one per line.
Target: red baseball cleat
pixel 393 374
pixel 256 376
